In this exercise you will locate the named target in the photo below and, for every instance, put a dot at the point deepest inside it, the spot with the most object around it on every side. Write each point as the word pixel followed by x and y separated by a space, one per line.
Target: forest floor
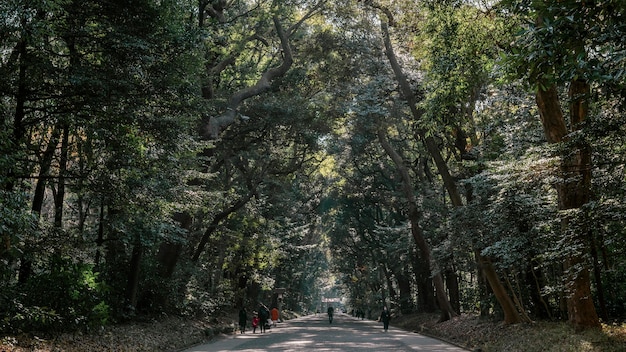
pixel 174 334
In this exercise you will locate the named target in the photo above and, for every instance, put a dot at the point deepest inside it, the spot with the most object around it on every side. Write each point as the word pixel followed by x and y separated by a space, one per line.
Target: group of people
pixel 265 318
pixel 262 319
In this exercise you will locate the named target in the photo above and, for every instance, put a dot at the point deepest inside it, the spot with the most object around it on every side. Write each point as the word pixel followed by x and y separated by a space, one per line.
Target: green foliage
pixel 560 41
pixel 66 296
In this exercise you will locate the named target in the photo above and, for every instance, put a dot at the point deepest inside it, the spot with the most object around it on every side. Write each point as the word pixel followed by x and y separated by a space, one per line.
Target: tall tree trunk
pixel 404 285
pixel 573 192
pixel 447 311
pixel 21 96
pixel 425 291
pixel 597 274
pixel 169 252
pixel 448 181
pixel 26 263
pixel 132 281
pixel 535 281
pixel 452 283
pixel 60 194
pixel 100 237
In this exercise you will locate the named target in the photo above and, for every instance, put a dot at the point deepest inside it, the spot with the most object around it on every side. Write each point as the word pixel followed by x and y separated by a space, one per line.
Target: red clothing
pixel 274 314
pixel 255 322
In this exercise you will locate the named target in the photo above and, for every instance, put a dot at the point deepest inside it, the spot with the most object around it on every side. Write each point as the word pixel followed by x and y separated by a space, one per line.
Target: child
pixel 255 322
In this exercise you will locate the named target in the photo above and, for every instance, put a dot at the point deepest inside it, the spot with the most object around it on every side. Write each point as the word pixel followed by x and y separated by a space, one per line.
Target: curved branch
pixel 217 123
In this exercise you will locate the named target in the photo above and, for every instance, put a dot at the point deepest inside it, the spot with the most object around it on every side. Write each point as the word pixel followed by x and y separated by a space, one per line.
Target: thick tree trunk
pixel 425 291
pixel 132 281
pixel 404 286
pixel 169 252
pixel 573 192
pixel 452 282
pixel 511 315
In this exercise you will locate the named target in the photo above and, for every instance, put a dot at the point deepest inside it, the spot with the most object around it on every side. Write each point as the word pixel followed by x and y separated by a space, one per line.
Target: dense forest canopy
pixel 191 157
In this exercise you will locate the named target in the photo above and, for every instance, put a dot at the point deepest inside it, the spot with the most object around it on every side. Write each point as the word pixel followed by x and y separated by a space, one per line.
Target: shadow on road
pixel 314 333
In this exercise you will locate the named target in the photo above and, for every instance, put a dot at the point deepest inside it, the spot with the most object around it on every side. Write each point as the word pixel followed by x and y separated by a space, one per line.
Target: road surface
pixel 314 333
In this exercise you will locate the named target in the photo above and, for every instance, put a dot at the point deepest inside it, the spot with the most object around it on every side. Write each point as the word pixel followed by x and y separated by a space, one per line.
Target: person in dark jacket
pixel 385 317
pixel 264 315
pixel 243 320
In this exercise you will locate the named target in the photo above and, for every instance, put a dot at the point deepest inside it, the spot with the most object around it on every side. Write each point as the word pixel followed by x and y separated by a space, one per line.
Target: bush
pixel 66 297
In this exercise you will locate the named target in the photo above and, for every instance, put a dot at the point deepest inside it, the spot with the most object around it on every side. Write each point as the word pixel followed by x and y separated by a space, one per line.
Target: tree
pixel 560 46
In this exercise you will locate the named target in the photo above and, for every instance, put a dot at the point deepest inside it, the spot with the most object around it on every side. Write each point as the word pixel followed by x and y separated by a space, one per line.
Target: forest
pixel 192 157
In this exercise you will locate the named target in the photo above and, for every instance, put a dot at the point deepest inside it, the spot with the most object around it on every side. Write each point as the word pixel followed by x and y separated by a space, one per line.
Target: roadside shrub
pixel 66 297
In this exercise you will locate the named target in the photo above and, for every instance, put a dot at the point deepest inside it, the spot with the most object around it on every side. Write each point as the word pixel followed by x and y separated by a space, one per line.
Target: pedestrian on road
pixel 330 311
pixel 255 322
pixel 385 317
pixel 243 320
pixel 264 315
pixel 274 314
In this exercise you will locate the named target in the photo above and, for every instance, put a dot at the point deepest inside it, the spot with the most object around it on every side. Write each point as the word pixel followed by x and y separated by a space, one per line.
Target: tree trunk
pixel 425 291
pixel 132 282
pixel 404 285
pixel 60 194
pixel 447 311
pixel 442 167
pixel 511 315
pixel 535 281
pixel 38 198
pixel 597 274
pixel 573 192
pixel 169 252
pixel 452 282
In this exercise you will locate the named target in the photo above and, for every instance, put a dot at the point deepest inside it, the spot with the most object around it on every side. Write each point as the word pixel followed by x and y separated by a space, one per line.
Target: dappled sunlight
pixel 315 333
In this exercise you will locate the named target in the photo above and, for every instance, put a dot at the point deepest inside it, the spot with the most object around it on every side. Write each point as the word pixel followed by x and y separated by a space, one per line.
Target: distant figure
pixel 264 315
pixel 330 311
pixel 243 320
pixel 255 322
pixel 385 317
pixel 274 314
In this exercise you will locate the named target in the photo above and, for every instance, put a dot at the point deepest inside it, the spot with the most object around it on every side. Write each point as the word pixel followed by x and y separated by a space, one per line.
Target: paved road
pixel 314 333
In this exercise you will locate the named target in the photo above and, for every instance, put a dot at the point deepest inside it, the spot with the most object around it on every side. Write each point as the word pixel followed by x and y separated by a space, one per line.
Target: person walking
pixel 331 312
pixel 274 315
pixel 255 322
pixel 264 315
pixel 243 320
pixel 385 317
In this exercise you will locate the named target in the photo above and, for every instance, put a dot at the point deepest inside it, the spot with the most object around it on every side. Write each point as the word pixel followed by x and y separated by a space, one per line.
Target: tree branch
pixel 217 123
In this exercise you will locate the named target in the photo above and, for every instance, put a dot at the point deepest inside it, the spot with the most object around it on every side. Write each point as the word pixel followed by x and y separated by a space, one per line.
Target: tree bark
pixel 573 192
pixel 169 252
pixel 447 312
pixel 60 194
pixel 218 123
pixel 452 283
pixel 442 168
pixel 217 220
pixel 132 282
